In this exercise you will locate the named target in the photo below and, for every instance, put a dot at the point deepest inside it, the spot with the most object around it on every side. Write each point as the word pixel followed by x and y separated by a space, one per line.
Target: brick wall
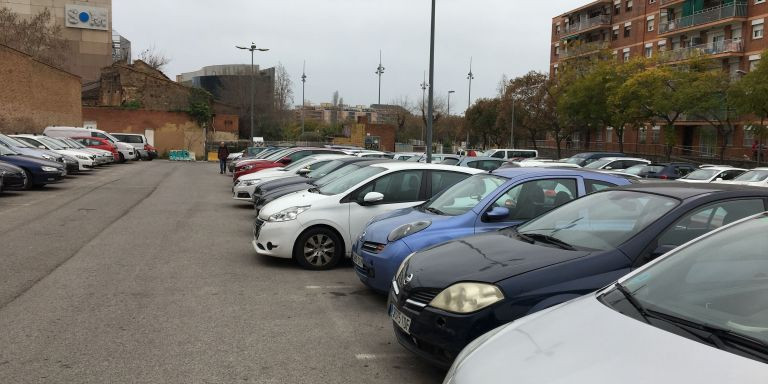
pixel 34 95
pixel 359 131
pixel 172 130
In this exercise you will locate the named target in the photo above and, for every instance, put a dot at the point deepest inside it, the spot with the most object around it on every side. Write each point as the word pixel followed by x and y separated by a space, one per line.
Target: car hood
pixel 30 161
pixel 8 167
pixel 267 173
pixel 752 183
pixel 253 161
pixel 380 227
pixel 284 182
pixel 586 342
pixel 296 199
pixel 488 257
pixel 74 152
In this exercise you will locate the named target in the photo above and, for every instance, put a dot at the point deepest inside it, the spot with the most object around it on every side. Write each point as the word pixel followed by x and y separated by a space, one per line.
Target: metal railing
pixel 726 11
pixel 713 48
pixel 669 2
pixel 583 48
pixel 589 23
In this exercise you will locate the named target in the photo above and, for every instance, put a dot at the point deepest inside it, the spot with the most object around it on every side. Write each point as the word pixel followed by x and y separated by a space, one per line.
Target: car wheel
pixel 28 180
pixel 318 249
pixel 122 158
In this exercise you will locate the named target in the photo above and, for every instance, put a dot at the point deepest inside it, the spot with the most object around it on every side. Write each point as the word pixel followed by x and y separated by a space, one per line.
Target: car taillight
pixel 664 177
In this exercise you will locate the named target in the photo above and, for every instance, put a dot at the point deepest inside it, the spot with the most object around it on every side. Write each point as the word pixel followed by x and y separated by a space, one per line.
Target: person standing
pixel 223 154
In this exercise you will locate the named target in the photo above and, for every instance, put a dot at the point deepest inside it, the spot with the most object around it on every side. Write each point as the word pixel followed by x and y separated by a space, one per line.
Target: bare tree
pixel 336 98
pixel 154 58
pixel 37 37
pixel 283 89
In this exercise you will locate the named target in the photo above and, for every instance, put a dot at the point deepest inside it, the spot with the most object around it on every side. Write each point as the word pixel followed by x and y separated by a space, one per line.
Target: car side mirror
pixel 609 167
pixel 496 214
pixel 661 250
pixel 372 198
pixel 285 160
pixel 303 171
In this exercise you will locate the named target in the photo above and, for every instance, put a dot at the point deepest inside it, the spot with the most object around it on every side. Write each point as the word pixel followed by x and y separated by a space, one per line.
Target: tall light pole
pixel 424 86
pixel 432 85
pixel 253 49
pixel 449 102
pixel 380 71
pixel 512 128
pixel 470 77
pixel 303 102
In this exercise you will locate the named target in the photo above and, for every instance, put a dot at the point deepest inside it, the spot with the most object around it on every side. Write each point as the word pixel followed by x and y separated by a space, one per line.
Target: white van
pixel 127 152
pixel 512 154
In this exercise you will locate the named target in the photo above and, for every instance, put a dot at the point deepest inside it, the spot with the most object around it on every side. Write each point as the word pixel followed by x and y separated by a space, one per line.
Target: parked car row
pixel 518 274
pixel 32 161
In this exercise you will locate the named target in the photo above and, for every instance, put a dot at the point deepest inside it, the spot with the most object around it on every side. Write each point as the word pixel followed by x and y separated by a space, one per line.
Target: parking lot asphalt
pixel 144 273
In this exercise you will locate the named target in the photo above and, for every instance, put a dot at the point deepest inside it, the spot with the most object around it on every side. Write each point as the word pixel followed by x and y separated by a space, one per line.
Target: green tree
pixel 481 120
pixel 750 96
pixel 36 36
pixel 718 106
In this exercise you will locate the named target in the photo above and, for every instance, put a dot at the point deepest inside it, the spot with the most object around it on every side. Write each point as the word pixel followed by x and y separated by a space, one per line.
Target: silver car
pixel 137 141
pixel 697 315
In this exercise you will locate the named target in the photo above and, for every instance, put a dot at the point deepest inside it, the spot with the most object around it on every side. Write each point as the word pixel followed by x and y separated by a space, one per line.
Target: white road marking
pixel 371 356
pixel 329 287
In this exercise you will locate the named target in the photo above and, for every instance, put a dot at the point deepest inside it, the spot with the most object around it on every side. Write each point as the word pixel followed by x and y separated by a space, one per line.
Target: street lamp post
pixel 380 71
pixel 470 77
pixel 449 102
pixel 253 49
pixel 303 102
pixel 432 85
pixel 424 86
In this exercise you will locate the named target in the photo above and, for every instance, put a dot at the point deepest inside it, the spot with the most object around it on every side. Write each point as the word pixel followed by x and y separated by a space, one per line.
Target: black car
pixel 666 171
pixel 582 159
pixel 14 177
pixel 446 296
pixel 269 192
pixel 38 172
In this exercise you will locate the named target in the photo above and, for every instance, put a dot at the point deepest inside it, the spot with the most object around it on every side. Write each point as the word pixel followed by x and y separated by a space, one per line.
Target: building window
pixel 557 29
pixel 626 56
pixel 629 5
pixel 650 24
pixel 557 51
pixel 655 135
pixel 642 136
pixel 615 34
pixel 757 30
pixel 753 64
pixel 617 9
pixel 627 30
pixel 749 136
pixel 651 1
pixel 649 52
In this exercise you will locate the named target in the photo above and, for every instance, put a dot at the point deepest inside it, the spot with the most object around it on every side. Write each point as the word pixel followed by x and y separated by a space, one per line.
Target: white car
pixel 102 156
pixel 316 227
pixel 616 163
pixel 246 185
pixel 757 177
pixel 696 315
pixel 711 174
pixel 126 150
pixel 544 164
pixel 85 160
pixel 511 154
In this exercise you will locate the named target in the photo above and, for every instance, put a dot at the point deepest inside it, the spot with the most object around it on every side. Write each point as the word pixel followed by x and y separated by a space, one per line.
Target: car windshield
pixel 754 175
pixel 701 174
pixel 598 164
pixel 62 143
pixel 278 155
pixel 488 153
pixel 325 169
pixel 5 151
pixel 450 161
pixel 601 221
pixel 718 282
pixel 11 142
pixel 76 144
pixel 299 164
pixel 341 172
pixel 574 160
pixel 465 195
pixel 635 169
pixel 344 183
pixel 51 143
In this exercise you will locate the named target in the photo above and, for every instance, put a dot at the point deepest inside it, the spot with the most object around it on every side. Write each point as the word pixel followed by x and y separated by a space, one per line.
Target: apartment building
pixel 729 31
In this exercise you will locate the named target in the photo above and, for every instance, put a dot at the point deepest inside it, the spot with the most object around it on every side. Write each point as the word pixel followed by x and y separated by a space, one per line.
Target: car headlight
pixel 288 214
pixel 49 157
pixel 408 229
pixel 81 157
pixel 247 167
pixel 401 267
pixel 49 169
pixel 249 183
pixel 467 297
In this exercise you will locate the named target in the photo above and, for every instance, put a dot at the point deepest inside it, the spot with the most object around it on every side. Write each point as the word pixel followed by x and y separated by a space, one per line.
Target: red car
pixel 279 159
pixel 98 143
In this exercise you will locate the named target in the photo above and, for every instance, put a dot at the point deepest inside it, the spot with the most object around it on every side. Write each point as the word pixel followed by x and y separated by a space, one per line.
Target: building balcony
pixel 720 48
pixel 706 16
pixel 667 3
pixel 583 49
pixel 588 24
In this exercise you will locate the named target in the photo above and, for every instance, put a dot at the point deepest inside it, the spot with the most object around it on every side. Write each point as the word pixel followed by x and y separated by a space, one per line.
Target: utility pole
pixel 253 49
pixel 470 77
pixel 431 104
pixel 303 102
pixel 424 86
pixel 380 71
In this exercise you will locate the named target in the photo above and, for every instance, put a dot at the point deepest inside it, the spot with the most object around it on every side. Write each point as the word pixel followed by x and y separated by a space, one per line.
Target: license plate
pixel 402 321
pixel 358 260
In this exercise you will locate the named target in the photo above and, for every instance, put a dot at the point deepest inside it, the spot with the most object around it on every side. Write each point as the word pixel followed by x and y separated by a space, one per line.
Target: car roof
pixel 476 158
pixel 684 191
pixel 612 158
pixel 396 165
pixel 540 171
pixel 722 168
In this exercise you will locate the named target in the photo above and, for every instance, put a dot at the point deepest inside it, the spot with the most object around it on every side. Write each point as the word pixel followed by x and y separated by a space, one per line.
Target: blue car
pixel 481 203
pixel 38 172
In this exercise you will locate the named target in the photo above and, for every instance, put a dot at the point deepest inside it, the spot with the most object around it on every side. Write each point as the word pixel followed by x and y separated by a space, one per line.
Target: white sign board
pixel 83 16
pixel 90 125
pixel 258 140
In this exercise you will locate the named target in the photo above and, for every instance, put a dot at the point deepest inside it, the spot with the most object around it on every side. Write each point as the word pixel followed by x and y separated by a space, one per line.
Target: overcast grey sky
pixel 340 41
